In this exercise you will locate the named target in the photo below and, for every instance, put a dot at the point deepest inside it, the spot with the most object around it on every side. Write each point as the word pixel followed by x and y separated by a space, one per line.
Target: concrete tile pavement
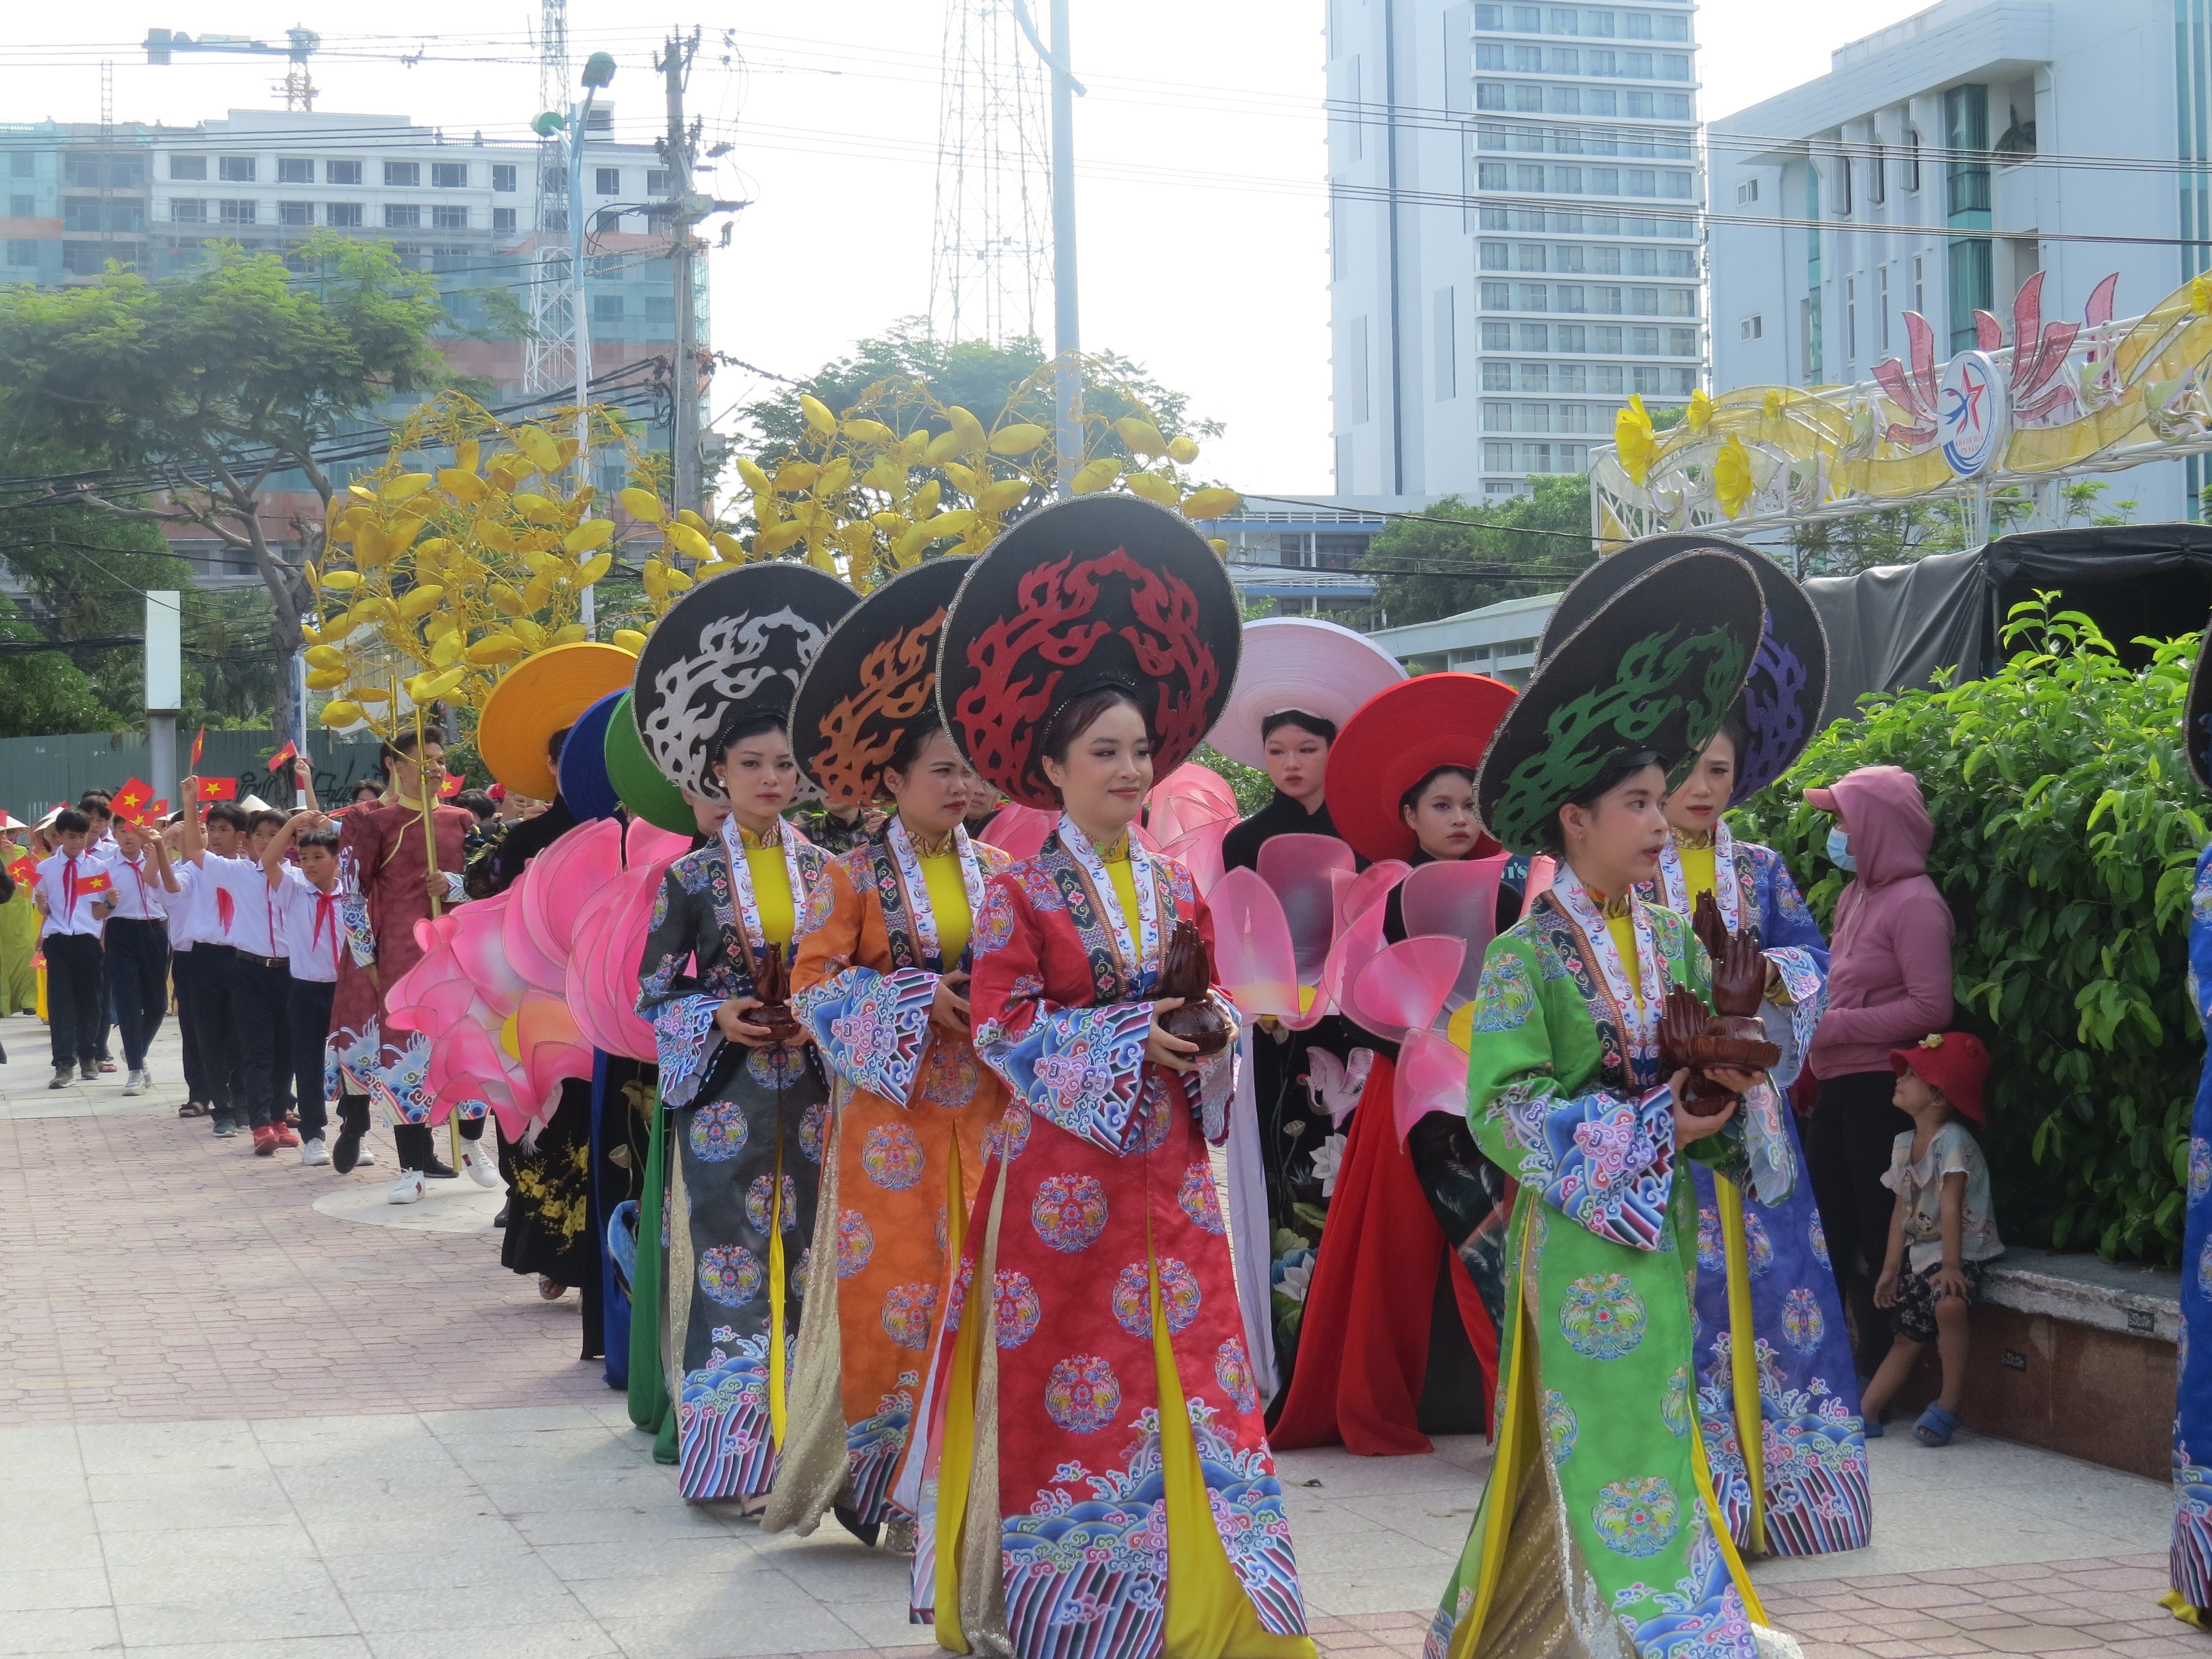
pixel 234 1420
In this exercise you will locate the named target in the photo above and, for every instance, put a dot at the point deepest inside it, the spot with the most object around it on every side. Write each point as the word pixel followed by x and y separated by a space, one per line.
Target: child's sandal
pixel 1935 1427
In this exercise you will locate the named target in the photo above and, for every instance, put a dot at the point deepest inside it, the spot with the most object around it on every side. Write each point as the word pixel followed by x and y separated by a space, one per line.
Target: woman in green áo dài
pixel 1596 1534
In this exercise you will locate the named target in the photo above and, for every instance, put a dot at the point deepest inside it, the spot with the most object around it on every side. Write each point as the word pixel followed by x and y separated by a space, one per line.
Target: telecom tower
pixel 548 362
pixel 990 250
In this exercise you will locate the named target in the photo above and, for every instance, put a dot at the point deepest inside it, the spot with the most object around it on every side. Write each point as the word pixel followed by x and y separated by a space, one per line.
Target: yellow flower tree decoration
pixel 867 491
pixel 437 579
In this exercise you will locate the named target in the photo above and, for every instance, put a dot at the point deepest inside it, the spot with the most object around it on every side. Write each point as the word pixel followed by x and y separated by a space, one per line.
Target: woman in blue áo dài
pixel 746 1099
pixel 1777 1393
pixel 1598 1533
pixel 2188 1562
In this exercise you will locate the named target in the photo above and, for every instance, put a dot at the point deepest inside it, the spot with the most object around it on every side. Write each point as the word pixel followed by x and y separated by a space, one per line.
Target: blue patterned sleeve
pixel 1603 1159
pixel 2200 940
pixel 1793 943
pixel 671 1000
pixel 357 844
pixel 872 1026
pixel 1080 1068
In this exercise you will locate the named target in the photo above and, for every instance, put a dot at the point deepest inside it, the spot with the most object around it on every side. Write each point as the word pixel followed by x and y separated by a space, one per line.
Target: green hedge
pixel 2067 823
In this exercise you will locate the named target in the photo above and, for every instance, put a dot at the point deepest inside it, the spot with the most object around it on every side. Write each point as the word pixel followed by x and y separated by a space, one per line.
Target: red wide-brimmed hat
pixel 1953 1062
pixel 1398 736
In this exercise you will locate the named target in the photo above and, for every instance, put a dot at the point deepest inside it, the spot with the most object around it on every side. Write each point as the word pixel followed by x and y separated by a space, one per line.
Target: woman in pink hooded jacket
pixel 1889 984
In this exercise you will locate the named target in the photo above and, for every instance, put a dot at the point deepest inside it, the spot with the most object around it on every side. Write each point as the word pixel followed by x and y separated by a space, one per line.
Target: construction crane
pixel 299 45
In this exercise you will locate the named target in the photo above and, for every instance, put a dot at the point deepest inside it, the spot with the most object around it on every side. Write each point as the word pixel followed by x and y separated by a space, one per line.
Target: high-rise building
pixel 1942 162
pixel 469 211
pixel 1516 196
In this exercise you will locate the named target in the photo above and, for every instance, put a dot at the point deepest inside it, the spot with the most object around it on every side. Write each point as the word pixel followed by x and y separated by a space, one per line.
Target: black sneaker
pixel 224 1129
pixel 500 1221
pixel 62 1077
pixel 435 1170
pixel 89 1072
pixel 345 1151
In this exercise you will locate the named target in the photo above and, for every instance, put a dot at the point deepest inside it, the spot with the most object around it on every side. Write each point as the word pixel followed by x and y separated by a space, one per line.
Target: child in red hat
pixel 1941 1231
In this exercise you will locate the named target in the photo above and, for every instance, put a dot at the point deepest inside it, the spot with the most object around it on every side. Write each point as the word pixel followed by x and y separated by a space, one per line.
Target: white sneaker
pixel 367 1157
pixel 312 1153
pixel 408 1189
pixel 481 1163
pixel 134 1084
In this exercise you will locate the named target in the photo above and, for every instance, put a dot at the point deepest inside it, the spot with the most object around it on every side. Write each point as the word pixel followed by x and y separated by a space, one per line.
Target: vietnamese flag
pixel 198 744
pixel 156 810
pixel 451 787
pixel 218 789
pixel 130 802
pixel 290 751
pixel 98 882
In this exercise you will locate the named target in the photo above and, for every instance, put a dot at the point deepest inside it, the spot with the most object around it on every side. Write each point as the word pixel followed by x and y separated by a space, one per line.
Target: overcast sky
pixel 1204 249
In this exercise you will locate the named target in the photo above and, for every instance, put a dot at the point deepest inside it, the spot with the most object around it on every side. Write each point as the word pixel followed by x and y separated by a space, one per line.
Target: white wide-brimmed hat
pixel 1299 663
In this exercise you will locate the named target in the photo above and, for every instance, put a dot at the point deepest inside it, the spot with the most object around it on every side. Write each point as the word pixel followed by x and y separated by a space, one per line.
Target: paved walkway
pixel 243 1415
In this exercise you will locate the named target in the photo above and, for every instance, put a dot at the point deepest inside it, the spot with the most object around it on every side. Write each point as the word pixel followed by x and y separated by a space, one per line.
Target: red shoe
pixel 284 1135
pixel 264 1142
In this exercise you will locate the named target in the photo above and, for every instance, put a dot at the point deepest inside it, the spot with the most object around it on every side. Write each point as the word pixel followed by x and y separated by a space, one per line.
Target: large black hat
pixel 2197 715
pixel 877 674
pixel 1656 667
pixel 735 642
pixel 1788 681
pixel 1099 590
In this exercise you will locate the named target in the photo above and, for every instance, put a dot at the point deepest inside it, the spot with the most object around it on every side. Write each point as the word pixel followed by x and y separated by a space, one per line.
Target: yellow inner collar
pixel 1696 842
pixel 753 843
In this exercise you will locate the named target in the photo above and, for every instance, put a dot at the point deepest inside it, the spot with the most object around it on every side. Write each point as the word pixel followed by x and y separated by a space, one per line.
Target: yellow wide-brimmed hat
pixel 541 696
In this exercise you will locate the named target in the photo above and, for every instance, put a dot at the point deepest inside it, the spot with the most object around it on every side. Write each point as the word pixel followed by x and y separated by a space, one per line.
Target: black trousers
pixel 257 994
pixel 416 1143
pixel 138 975
pixel 1847 1146
pixel 75 1008
pixel 183 966
pixel 307 1011
pixel 218 1031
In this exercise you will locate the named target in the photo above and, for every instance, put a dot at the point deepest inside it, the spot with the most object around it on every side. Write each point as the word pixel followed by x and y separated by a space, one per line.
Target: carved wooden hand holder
pixel 772 985
pixel 1732 1035
pixel 1186 971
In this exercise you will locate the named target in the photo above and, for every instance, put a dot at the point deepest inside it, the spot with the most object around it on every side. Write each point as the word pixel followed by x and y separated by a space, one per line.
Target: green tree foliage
pixel 1528 545
pixel 43 690
pixel 2066 826
pixel 209 392
pixel 973 374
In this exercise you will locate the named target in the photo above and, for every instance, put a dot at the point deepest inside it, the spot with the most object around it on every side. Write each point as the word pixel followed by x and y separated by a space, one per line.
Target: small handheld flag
pixel 218 789
pixel 198 744
pixel 451 787
pixel 130 802
pixel 98 882
pixel 288 753
pixel 21 870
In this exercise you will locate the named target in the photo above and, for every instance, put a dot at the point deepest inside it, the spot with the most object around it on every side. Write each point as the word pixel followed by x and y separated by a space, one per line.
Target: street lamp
pixel 599 71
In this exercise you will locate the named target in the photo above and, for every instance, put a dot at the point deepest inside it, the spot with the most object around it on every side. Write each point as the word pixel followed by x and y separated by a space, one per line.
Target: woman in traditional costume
pixel 746 1100
pixel 1774 1375
pixel 1099 1482
pixel 1598 1532
pixel 2189 1561
pixel 1401 1309
pixel 1299 679
pixel 881 982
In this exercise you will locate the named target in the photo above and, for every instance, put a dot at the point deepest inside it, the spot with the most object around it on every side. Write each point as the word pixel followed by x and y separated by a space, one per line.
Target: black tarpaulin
pixel 1896 626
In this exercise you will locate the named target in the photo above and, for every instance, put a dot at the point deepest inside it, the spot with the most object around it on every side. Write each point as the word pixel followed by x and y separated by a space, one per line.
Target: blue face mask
pixel 1839 850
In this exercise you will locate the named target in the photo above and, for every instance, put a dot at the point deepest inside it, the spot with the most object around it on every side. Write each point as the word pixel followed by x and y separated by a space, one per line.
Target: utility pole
pixel 680 153
pixel 599 71
pixel 1067 331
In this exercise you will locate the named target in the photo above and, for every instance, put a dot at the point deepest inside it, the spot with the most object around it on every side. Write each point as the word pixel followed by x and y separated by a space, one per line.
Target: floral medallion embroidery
pixel 1675 1406
pixel 811 1124
pixel 1179 1294
pixel 1505 999
pixel 951 1075
pixel 1637 1518
pixel 1712 1248
pixel 1082 1393
pixel 1817 1236
pixel 2200 1167
pixel 1132 1300
pixel 1757 1247
pixel 1233 1370
pixel 994 923
pixel 719 1131
pixel 856 1242
pixel 1802 1326
pixel 1561 1428
pixel 1069 1211
pixel 1005 1139
pixel 892 1155
pixel 730 1274
pixel 1015 1309
pixel 907 1310
pixel 1198 1199
pixel 777 1067
pixel 1601 1316
pixel 756 1203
